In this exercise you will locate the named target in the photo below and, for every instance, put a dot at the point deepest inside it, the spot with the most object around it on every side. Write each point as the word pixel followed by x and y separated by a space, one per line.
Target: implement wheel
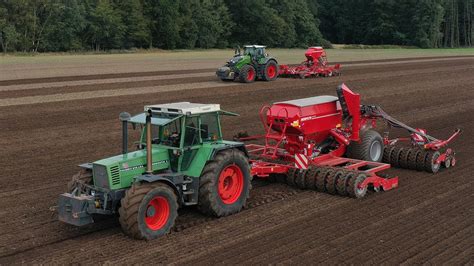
pixel 413 158
pixel 341 183
pixel 310 178
pixel 148 210
pixel 270 72
pixel 430 162
pixel 386 153
pixel 370 147
pixel 291 176
pixel 420 161
pixel 321 179
pixel 331 181
pixel 353 189
pixel 404 158
pixel 247 74
pixel 300 179
pixel 395 157
pixel 224 185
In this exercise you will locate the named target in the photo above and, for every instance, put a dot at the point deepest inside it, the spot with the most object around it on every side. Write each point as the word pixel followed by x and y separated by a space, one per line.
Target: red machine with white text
pixel 330 144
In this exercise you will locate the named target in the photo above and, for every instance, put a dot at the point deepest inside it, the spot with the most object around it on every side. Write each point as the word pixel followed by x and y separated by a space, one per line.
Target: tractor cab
pixel 182 128
pixel 255 51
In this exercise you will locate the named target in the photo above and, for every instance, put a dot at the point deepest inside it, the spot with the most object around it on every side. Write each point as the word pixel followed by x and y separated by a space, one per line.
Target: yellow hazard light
pixel 295 123
pixel 338 126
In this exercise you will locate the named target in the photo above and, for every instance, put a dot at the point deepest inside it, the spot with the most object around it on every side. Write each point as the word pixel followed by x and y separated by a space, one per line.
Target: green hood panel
pixel 121 169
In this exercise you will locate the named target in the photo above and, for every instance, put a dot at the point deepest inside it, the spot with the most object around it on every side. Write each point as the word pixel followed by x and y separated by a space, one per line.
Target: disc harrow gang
pixel 332 180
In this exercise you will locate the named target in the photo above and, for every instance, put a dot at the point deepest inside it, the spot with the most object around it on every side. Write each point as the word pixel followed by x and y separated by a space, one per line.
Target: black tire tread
pixel 207 199
pixel 244 73
pixel 360 150
pixel 130 204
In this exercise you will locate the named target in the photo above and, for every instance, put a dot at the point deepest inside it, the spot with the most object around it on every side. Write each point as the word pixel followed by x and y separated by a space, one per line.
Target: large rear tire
pixel 148 210
pixel 247 74
pixel 270 72
pixel 370 147
pixel 225 184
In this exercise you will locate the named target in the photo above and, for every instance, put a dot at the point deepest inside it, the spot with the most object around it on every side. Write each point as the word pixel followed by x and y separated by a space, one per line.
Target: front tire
pixel 225 184
pixel 370 147
pixel 148 210
pixel 247 74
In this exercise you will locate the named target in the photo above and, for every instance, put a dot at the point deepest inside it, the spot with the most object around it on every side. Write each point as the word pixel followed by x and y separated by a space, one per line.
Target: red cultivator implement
pixel 315 65
pixel 329 144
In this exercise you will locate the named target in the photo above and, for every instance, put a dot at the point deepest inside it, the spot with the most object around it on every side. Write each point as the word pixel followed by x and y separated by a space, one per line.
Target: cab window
pixel 169 134
pixel 191 136
pixel 209 127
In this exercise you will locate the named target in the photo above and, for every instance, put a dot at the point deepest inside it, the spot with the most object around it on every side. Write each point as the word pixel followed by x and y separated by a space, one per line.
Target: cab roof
pixel 163 114
pixel 185 108
pixel 254 46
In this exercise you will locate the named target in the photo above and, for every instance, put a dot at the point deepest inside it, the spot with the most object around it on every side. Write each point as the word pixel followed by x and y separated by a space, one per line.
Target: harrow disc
pixel 353 187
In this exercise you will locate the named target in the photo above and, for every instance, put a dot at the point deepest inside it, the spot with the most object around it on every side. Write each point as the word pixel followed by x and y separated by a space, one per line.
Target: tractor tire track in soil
pixel 428 218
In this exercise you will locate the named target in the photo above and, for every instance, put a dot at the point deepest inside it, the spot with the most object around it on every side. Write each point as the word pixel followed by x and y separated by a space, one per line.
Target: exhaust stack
pixel 149 168
pixel 124 117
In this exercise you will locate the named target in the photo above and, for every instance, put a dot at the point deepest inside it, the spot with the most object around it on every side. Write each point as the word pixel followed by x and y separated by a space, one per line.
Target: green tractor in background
pixel 254 63
pixel 181 160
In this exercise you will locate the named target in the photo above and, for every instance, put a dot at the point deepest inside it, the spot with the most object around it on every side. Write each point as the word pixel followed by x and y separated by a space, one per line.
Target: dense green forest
pixel 79 25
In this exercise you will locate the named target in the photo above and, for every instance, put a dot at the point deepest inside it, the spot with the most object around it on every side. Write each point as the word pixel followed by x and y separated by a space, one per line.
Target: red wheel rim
pixel 271 71
pixel 231 184
pixel 157 213
pixel 251 74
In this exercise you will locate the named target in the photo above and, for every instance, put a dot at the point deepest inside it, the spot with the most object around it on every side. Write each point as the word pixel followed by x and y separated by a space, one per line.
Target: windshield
pixel 249 51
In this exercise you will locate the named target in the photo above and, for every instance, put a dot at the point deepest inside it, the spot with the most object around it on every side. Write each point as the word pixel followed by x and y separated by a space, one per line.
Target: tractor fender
pixel 239 146
pixel 173 180
pixel 263 61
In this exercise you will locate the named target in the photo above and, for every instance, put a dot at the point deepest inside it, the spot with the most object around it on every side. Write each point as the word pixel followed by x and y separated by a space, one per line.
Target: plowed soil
pixel 49 127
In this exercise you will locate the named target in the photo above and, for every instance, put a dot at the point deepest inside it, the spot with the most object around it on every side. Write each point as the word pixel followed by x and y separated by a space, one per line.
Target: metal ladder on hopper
pixel 269 149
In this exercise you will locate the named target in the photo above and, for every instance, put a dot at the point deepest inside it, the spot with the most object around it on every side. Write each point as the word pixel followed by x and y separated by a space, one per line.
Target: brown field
pixel 51 124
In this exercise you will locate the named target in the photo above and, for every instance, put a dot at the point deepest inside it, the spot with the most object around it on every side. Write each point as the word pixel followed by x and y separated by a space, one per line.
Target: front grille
pixel 101 178
pixel 115 175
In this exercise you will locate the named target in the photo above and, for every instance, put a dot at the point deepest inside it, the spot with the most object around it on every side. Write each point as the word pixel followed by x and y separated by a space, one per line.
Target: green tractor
pixel 181 160
pixel 253 64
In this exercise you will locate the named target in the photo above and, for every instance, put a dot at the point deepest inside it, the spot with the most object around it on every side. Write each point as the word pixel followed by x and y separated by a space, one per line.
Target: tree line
pixel 81 25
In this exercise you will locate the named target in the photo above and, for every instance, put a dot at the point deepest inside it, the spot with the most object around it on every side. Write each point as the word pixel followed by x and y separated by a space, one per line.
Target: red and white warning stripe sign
pixel 301 161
